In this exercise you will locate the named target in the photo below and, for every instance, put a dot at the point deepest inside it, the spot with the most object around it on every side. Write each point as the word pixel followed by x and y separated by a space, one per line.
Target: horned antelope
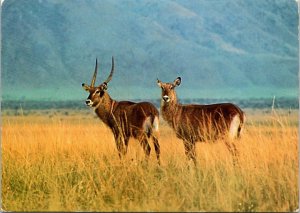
pixel 194 123
pixel 125 118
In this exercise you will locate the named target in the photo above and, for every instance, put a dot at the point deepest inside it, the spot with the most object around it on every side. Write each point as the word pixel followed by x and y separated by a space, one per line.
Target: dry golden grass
pixel 62 162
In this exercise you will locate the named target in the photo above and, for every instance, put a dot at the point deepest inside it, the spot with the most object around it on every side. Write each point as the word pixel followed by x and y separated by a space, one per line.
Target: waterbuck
pixel 125 118
pixel 194 123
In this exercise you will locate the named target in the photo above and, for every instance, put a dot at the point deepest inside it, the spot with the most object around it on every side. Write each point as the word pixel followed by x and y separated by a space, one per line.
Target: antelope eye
pixel 97 91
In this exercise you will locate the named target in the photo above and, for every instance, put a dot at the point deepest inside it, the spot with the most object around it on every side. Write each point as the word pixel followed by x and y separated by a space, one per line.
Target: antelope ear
pixel 85 87
pixel 177 82
pixel 159 83
pixel 104 86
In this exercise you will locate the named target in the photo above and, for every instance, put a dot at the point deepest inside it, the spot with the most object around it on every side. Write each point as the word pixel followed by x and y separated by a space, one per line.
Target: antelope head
pixel 97 93
pixel 168 93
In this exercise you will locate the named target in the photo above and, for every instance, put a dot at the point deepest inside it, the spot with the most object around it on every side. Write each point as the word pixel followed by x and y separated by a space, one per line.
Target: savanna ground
pixel 67 161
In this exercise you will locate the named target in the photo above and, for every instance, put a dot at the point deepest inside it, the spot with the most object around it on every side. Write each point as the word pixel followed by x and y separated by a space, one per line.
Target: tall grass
pixel 70 163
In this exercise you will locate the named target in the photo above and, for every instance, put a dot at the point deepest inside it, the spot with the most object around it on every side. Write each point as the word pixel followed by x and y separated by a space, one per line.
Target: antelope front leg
pixel 190 150
pixel 126 140
pixel 119 140
pixel 120 147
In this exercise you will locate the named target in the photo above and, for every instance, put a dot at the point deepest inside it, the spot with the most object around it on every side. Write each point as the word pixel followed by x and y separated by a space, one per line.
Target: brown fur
pixel 193 123
pixel 125 118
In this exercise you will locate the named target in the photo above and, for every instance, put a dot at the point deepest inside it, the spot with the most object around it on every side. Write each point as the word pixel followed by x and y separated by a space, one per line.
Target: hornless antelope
pixel 194 123
pixel 126 119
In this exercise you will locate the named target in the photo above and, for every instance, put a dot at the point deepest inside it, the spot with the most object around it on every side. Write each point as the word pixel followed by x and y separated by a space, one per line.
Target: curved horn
pixel 111 72
pixel 95 74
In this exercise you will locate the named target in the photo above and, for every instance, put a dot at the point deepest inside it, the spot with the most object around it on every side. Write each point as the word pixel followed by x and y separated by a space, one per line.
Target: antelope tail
pixel 242 122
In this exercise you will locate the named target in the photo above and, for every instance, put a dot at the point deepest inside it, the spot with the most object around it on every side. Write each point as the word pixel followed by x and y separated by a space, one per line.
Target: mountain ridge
pixel 221 48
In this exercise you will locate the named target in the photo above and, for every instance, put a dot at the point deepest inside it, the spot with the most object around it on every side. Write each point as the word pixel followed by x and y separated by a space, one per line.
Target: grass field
pixel 67 161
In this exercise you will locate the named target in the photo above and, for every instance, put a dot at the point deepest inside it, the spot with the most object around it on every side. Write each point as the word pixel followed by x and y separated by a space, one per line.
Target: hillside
pixel 229 48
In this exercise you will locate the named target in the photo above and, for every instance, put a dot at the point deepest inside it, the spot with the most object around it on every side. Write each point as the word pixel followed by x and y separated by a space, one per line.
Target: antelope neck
pixel 106 105
pixel 169 110
pixel 112 106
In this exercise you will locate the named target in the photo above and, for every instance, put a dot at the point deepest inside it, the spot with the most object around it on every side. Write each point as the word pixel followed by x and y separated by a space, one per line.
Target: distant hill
pixel 228 48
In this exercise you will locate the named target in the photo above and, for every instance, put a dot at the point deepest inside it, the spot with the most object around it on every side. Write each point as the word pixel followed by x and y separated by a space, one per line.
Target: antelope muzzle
pixel 166 98
pixel 89 102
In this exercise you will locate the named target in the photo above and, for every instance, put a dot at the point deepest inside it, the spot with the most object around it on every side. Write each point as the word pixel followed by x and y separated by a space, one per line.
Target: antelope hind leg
pixel 146 146
pixel 157 148
pixel 233 151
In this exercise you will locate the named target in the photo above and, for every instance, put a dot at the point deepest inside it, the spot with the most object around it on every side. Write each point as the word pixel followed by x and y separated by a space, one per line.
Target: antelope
pixel 126 119
pixel 193 123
